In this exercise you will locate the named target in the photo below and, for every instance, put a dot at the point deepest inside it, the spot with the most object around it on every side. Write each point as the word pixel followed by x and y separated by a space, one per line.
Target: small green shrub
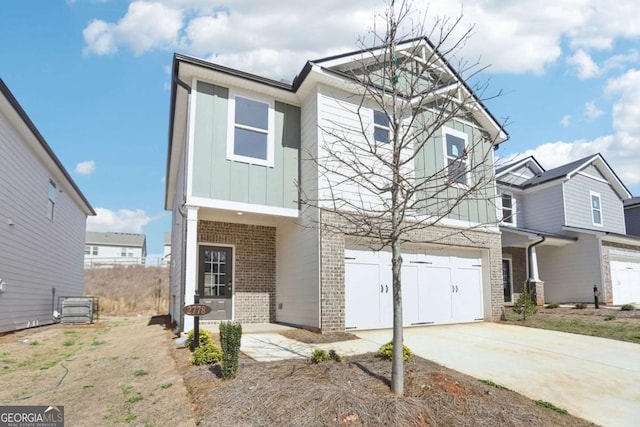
pixel 551 406
pixel 34 343
pixel 335 356
pixel 525 305
pixel 140 373
pixel 628 307
pixel 494 384
pixel 607 318
pixel 553 305
pixel 386 352
pixel 319 355
pixel 230 337
pixel 68 343
pixel 581 306
pixel 206 354
pixel 205 338
pixel 166 386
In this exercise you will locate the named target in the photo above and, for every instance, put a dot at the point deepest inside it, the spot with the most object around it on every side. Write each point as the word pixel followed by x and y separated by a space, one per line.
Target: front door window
pixel 215 273
pixel 506 279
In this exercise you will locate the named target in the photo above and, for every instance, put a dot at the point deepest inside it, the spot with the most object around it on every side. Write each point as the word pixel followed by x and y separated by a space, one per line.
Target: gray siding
pixel 36 254
pixel 578 204
pixel 543 210
pixel 569 272
pixel 215 177
pixel 632 220
pixel 477 207
pixel 176 268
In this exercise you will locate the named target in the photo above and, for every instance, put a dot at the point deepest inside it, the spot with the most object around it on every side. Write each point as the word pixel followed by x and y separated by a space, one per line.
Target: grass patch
pixel 34 342
pixel 70 332
pixel 96 342
pixel 140 373
pixel 628 307
pixel 551 406
pixel 127 389
pixel 496 385
pixel 166 386
pixel 134 399
pixel 86 386
pixel 68 343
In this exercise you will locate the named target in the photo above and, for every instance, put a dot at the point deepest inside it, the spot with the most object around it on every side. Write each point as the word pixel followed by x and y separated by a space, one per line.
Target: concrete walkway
pixel 593 378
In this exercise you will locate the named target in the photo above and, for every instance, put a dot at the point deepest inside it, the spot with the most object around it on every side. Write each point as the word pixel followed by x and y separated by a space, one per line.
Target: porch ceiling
pixel 224 215
pixel 522 238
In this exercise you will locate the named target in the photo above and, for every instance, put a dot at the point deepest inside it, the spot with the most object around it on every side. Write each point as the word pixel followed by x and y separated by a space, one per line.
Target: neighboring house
pixel 166 257
pixel 42 222
pixel 238 145
pixel 632 215
pixel 105 249
pixel 567 226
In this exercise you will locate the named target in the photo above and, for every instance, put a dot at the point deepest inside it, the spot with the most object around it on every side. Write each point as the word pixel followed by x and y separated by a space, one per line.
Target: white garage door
pixel 625 278
pixel 441 287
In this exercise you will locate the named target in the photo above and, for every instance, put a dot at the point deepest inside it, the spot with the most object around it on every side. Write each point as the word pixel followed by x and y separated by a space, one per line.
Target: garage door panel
pixel 625 281
pixel 467 295
pixel 434 295
pixel 410 295
pixel 362 293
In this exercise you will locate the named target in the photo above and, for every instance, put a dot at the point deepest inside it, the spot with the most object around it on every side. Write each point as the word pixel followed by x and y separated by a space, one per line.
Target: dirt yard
pixel 130 372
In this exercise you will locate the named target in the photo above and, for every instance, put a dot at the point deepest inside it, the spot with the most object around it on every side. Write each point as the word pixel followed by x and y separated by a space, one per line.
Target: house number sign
pixel 196 310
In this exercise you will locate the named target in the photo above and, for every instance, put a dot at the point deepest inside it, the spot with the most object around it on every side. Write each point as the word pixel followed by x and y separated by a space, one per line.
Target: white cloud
pixel 591 111
pixel 85 168
pixel 123 220
pixel 145 26
pixel 566 120
pixel 585 67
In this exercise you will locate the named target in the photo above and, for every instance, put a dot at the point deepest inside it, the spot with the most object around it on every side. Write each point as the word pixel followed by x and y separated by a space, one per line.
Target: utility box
pixel 77 310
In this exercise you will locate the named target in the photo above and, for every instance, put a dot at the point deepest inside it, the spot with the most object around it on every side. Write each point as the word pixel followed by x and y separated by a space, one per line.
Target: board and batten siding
pixel 478 208
pixel 36 254
pixel 216 177
pixel 569 272
pixel 578 204
pixel 544 209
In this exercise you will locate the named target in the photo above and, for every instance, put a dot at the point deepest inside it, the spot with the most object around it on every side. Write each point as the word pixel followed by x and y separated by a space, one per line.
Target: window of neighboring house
pixel 123 252
pixel 507 208
pixel 95 250
pixel 381 129
pixel 456 156
pixel 51 203
pixel 87 250
pixel 250 131
pixel 596 208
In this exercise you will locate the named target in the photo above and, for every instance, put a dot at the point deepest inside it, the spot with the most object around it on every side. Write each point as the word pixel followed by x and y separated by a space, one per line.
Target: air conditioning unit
pixel 77 310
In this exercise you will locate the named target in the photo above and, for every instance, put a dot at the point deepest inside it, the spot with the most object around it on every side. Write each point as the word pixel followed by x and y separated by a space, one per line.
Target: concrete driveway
pixel 593 378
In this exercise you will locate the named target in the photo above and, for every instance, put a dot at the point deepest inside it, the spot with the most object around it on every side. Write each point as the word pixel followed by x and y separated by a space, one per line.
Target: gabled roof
pixel 40 143
pixel 568 170
pixel 632 202
pixel 517 164
pixel 115 239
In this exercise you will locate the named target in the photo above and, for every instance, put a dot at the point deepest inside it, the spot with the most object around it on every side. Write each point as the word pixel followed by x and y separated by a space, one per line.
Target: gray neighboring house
pixel 43 217
pixel 632 215
pixel 238 145
pixel 104 249
pixel 565 228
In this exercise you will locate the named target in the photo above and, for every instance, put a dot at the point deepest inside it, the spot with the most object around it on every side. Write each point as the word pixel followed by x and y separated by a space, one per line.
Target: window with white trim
pixel 457 162
pixel 95 250
pixel 250 131
pixel 51 202
pixel 381 128
pixel 87 250
pixel 596 208
pixel 507 208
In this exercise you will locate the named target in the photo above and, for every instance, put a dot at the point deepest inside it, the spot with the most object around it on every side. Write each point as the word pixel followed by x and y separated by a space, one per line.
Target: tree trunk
pixel 397 364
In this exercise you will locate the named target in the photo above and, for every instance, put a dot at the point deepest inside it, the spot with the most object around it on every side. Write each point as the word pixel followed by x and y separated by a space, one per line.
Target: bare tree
pixel 376 180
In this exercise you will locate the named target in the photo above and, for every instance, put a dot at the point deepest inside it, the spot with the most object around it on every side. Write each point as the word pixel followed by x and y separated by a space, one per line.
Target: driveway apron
pixel 593 378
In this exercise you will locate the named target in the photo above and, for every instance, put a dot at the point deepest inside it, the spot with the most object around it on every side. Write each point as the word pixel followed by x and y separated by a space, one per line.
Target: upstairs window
pixel 87 250
pixel 596 208
pixel 95 250
pixel 250 131
pixel 51 203
pixel 456 156
pixel 507 208
pixel 381 129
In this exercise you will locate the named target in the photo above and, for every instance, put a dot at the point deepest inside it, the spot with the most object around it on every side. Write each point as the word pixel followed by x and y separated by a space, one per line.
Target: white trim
pixel 593 194
pixel 596 178
pixel 233 273
pixel 374 125
pixel 457 134
pixel 242 207
pixel 514 220
pixel 457 223
pixel 564 204
pixel 231 125
pixel 191 135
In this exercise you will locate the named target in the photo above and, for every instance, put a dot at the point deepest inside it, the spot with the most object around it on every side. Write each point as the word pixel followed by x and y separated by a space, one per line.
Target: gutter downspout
pixel 530 264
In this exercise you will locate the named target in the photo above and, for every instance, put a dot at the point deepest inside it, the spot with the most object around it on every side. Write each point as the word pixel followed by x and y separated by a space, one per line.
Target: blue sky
pixel 93 75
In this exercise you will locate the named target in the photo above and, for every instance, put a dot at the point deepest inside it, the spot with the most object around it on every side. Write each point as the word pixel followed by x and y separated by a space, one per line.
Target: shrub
pixel 230 337
pixel 386 352
pixel 335 356
pixel 553 305
pixel 607 318
pixel 319 355
pixel 581 306
pixel 206 354
pixel 205 338
pixel 525 305
pixel 628 307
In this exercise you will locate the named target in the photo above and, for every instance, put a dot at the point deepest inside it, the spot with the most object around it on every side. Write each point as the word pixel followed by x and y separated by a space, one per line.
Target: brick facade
pixel 332 264
pixel 255 266
pixel 607 249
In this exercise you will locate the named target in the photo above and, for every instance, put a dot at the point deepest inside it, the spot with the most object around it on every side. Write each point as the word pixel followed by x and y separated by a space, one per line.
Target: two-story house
pixel 242 150
pixel 107 249
pixel 564 229
pixel 43 216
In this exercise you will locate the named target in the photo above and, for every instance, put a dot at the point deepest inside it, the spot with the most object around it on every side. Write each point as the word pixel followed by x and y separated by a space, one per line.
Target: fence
pixel 110 262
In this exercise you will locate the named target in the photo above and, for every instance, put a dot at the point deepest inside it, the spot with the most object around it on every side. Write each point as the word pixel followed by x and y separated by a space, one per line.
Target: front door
pixel 506 280
pixel 215 281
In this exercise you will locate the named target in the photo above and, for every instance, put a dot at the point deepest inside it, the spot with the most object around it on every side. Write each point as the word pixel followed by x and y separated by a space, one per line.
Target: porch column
pixel 536 283
pixel 534 265
pixel 191 263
